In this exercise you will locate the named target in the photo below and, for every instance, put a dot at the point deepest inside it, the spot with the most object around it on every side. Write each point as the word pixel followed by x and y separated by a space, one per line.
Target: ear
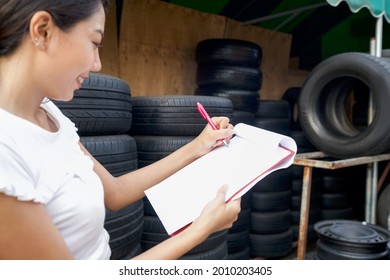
pixel 41 28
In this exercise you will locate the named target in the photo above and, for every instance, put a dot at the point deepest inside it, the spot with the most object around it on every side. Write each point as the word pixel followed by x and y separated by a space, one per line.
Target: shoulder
pixel 58 115
pixel 52 108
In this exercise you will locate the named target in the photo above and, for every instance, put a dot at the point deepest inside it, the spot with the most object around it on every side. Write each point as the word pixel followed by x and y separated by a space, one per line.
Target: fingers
pixel 221 122
pixel 232 208
pixel 225 131
pixel 209 139
pixel 217 214
pixel 222 192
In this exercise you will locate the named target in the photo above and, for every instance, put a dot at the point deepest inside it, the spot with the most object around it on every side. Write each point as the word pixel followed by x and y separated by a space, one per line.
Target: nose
pixel 97 65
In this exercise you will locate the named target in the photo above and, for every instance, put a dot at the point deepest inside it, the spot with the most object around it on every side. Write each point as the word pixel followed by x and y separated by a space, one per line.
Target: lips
pixel 80 80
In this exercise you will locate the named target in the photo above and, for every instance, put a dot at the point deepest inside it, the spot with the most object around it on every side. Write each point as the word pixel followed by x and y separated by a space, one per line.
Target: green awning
pixel 377 8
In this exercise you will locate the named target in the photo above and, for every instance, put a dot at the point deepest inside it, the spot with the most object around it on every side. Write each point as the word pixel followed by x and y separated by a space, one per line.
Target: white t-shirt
pixel 50 168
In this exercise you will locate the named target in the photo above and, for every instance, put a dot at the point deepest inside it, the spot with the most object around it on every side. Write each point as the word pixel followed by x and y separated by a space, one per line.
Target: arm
pixel 216 216
pixel 27 232
pixel 128 188
pixel 38 238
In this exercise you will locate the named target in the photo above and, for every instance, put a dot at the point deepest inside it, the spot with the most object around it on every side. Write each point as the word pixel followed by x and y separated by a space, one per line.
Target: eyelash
pixel 97 45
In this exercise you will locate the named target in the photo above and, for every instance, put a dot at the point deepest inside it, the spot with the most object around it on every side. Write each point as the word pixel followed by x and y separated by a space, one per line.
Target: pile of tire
pixel 296 202
pixel 230 68
pixel 271 234
pixel 161 125
pixel 336 201
pixel 337 88
pixel 291 96
pixel 238 234
pixel 102 111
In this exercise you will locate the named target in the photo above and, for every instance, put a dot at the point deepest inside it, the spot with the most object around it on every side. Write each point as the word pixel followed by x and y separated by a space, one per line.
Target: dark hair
pixel 15 16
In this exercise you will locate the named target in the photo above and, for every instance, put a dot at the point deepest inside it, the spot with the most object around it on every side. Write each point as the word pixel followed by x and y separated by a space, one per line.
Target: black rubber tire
pixel 329 128
pixel 383 209
pixel 269 223
pixel 334 183
pixel 154 148
pixel 102 106
pixel 303 143
pixel 273 109
pixel 218 253
pixel 125 230
pixel 333 214
pixel 335 201
pixel 228 51
pixel 117 153
pixel 314 216
pixel 311 233
pixel 242 100
pixel 271 201
pixel 151 239
pixel 155 233
pixel 229 77
pixel 237 241
pixel 277 181
pixel 296 201
pixel 244 254
pixel 175 115
pixel 316 185
pixel 243 221
pixel 271 245
pixel 242 117
pixel 291 95
pixel 278 125
pixel 135 252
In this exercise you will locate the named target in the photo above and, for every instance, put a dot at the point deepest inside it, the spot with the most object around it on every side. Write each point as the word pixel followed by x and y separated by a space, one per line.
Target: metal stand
pixel 314 159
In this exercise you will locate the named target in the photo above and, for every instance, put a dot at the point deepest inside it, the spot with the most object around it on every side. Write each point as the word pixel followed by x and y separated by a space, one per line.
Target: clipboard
pixel 253 153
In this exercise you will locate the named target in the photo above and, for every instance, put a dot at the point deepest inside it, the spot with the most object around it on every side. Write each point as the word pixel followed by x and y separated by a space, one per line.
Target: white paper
pixel 252 154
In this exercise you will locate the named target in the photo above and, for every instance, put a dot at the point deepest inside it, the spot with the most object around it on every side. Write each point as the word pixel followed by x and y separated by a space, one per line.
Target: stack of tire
pixel 238 234
pixel 230 68
pixel 161 125
pixel 291 95
pixel 273 115
pixel 315 210
pixel 271 235
pixel 336 201
pixel 102 112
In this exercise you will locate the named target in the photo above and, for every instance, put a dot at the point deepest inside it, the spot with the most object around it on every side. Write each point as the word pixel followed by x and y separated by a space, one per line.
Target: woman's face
pixel 73 55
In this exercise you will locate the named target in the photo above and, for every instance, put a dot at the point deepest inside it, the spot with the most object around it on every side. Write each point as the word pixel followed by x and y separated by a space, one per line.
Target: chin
pixel 63 98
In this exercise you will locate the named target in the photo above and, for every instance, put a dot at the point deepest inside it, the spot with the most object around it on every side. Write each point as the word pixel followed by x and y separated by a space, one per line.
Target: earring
pixel 37 42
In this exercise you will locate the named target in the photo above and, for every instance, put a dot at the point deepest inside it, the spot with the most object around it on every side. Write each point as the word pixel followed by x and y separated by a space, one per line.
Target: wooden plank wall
pixel 157 41
pixel 109 53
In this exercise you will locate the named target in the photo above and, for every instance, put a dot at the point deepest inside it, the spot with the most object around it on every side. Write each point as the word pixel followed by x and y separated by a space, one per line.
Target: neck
pixel 18 94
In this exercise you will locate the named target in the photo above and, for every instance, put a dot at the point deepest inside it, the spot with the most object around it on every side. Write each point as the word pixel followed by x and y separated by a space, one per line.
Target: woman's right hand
pixel 217 215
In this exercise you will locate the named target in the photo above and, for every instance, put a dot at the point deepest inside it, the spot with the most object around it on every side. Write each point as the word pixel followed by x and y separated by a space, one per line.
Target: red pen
pixel 206 116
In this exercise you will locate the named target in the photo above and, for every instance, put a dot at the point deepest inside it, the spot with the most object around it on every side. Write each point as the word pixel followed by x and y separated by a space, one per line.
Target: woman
pixel 53 193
